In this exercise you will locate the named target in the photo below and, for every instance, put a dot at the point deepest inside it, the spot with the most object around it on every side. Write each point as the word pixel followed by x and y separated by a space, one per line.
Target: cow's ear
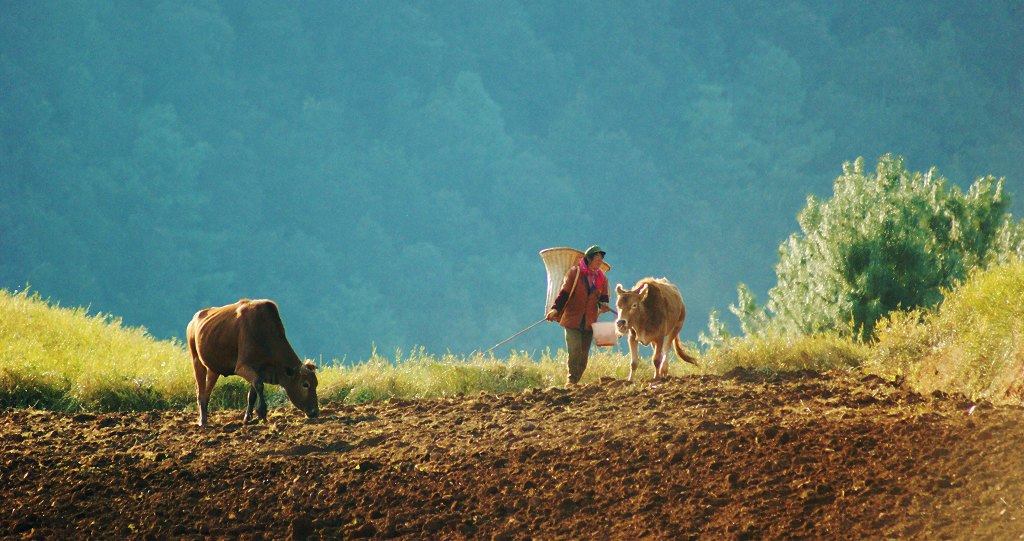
pixel 290 371
pixel 619 290
pixel 643 290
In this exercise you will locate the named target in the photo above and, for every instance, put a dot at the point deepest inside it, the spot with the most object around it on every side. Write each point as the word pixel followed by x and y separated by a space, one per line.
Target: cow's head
pixel 301 388
pixel 630 305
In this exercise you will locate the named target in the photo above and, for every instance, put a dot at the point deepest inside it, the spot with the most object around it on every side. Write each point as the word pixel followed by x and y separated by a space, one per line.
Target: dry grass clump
pixel 780 352
pixel 972 344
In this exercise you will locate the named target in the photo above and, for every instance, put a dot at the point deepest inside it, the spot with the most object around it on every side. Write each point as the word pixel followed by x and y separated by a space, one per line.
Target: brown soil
pixel 745 456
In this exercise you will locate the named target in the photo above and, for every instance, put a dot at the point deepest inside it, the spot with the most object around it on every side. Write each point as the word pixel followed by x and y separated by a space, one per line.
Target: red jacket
pixel 580 311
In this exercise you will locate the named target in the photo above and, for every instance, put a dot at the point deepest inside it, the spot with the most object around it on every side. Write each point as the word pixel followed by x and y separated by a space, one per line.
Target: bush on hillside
pixel 892 240
pixel 1009 243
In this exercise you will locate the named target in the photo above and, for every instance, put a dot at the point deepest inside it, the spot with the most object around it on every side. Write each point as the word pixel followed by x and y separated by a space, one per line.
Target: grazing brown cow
pixel 653 313
pixel 247 338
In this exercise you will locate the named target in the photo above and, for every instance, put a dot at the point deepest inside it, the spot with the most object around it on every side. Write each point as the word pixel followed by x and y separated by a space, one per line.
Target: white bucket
pixel 604 333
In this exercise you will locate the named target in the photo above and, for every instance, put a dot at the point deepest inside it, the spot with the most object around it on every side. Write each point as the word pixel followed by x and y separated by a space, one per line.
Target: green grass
pixel 67 359
pixel 421 375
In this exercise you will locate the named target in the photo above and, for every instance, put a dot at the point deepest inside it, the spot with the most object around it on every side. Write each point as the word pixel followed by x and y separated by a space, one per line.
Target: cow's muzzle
pixel 620 324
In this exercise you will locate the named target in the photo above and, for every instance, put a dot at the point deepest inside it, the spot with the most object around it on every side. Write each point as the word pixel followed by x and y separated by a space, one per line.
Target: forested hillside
pixel 388 171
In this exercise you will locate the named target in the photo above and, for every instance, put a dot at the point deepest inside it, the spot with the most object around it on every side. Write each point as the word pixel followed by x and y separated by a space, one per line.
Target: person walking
pixel 583 297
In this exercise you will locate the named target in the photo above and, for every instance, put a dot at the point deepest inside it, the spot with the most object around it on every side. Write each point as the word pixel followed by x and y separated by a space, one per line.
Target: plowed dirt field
pixel 745 456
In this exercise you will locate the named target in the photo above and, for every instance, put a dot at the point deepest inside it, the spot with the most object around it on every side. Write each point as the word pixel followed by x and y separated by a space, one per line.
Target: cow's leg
pixel 659 356
pixel 664 357
pixel 256 402
pixel 199 370
pixel 202 397
pixel 204 403
pixel 255 398
pixel 634 354
pixel 250 404
pixel 261 403
pixel 205 380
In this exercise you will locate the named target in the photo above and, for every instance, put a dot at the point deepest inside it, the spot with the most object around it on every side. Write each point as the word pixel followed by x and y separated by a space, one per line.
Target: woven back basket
pixel 557 262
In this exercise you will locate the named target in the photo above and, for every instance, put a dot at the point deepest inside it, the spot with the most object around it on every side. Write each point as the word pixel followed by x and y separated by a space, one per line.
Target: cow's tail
pixel 678 345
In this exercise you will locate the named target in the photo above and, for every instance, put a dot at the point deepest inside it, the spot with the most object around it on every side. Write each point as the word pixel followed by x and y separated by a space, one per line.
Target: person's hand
pixel 604 307
pixel 552 315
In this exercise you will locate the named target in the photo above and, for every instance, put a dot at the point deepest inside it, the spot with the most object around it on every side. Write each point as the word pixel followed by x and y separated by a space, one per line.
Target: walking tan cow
pixel 652 312
pixel 247 338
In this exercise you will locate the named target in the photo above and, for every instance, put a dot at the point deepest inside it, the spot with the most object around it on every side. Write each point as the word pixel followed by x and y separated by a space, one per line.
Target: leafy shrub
pixel 892 240
pixel 1009 243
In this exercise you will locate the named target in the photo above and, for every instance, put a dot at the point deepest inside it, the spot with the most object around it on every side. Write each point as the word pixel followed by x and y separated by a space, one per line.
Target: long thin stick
pixel 524 330
pixel 515 335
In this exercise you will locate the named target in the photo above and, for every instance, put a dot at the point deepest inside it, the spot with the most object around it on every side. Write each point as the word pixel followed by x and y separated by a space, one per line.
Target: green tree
pixel 888 241
pixel 1009 242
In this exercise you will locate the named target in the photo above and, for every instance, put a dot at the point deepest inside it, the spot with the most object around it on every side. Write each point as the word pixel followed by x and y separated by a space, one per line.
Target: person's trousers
pixel 578 343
